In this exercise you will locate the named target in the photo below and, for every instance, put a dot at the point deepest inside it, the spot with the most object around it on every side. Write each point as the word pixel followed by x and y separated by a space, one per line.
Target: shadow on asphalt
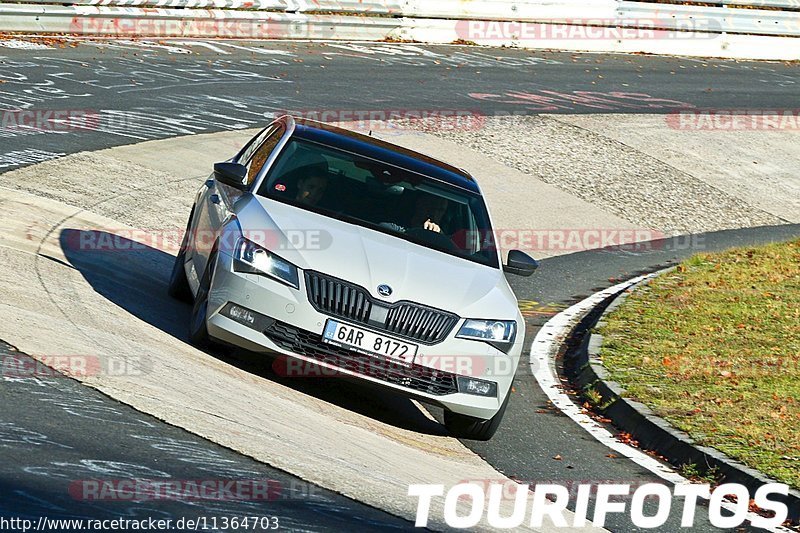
pixel 134 276
pixel 67 449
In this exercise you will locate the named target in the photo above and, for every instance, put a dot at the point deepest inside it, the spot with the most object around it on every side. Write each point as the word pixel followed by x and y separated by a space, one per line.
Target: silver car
pixel 349 256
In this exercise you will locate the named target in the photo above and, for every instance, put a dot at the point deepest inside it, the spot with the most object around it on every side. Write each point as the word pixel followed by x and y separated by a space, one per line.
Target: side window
pixel 254 143
pixel 257 154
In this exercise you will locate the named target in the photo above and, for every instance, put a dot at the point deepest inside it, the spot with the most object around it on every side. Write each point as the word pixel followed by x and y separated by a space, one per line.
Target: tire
pixel 178 284
pixel 471 428
pixel 198 329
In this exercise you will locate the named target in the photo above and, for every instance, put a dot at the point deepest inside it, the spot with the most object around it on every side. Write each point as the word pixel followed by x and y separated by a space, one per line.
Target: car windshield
pixel 383 197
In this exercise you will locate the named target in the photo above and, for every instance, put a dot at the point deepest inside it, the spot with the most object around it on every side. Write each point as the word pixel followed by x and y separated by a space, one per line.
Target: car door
pixel 215 205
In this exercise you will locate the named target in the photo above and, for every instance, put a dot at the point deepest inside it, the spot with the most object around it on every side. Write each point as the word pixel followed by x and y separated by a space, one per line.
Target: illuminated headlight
pixel 253 259
pixel 489 330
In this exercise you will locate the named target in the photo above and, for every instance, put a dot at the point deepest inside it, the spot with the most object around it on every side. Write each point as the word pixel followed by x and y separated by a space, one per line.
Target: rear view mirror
pixel 231 174
pixel 520 263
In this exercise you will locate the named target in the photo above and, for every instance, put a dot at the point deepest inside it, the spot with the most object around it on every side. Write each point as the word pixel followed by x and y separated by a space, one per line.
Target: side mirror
pixel 520 263
pixel 231 174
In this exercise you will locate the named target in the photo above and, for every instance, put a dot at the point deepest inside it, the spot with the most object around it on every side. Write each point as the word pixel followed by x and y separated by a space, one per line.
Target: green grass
pixel 714 348
pixel 700 475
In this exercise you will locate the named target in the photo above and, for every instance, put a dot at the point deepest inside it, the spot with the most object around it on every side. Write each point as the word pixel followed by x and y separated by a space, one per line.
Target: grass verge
pixel 714 348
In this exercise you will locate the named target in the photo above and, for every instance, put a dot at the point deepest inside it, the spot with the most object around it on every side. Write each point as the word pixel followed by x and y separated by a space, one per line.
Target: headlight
pixel 253 259
pixel 489 330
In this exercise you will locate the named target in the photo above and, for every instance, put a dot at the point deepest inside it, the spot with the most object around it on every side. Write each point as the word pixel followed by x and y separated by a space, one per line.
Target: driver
pixel 428 213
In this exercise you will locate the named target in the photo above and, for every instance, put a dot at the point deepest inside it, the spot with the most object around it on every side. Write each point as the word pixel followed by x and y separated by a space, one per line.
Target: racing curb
pixel 651 431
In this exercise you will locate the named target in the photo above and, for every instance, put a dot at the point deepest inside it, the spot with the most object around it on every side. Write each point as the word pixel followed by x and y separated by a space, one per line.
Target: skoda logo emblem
pixel 384 290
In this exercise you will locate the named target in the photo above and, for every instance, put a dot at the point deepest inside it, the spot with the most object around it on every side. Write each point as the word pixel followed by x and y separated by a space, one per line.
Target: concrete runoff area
pixel 643 169
pixel 59 299
pixel 755 166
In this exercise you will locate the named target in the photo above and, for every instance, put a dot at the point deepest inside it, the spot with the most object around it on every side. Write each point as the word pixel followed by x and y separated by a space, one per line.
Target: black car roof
pixel 383 151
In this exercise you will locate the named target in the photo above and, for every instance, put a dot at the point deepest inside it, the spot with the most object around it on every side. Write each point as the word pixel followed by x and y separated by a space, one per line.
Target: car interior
pixel 373 192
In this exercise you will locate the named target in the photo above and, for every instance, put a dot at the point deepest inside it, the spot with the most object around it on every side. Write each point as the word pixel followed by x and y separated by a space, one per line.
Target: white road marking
pixel 542 361
pixel 149 44
pixel 258 50
pixel 23 157
pixel 203 44
pixel 127 44
pixel 24 45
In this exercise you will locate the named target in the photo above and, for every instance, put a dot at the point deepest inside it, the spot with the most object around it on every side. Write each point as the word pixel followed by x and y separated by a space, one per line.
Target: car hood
pixel 371 258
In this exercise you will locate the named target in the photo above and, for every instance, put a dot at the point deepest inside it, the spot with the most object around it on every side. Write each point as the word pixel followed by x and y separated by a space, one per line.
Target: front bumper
pixel 293 328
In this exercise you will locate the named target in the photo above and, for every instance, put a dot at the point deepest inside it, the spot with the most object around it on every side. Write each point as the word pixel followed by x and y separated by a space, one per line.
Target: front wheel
pixel 198 329
pixel 178 284
pixel 471 428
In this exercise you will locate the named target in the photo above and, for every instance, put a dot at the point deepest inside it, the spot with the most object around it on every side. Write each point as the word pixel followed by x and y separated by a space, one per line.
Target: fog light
pixel 246 317
pixel 477 387
pixel 240 314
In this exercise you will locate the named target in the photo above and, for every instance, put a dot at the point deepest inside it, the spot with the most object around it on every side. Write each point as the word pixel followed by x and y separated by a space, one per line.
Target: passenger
pixel 311 188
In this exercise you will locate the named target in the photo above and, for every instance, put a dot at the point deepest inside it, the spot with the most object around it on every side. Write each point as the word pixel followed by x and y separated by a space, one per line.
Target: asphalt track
pixel 159 92
pixel 149 91
pixel 57 436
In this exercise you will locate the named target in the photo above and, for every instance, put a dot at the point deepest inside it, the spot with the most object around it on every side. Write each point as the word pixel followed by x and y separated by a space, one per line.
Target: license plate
pixel 367 342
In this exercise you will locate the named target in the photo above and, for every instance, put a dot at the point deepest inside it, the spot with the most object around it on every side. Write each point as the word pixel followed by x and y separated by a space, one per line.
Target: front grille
pixel 421 323
pixel 415 377
pixel 406 319
pixel 338 298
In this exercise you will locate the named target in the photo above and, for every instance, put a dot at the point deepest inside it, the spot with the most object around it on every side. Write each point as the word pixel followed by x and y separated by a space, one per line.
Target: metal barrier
pixel 130 22
pixel 375 7
pixel 638 26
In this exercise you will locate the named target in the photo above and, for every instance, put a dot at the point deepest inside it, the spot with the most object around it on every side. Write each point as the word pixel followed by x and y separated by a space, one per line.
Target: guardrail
pixel 135 22
pixel 780 4
pixel 367 7
pixel 640 26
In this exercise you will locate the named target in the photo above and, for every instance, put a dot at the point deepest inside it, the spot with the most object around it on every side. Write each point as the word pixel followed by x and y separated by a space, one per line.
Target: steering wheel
pixel 438 240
